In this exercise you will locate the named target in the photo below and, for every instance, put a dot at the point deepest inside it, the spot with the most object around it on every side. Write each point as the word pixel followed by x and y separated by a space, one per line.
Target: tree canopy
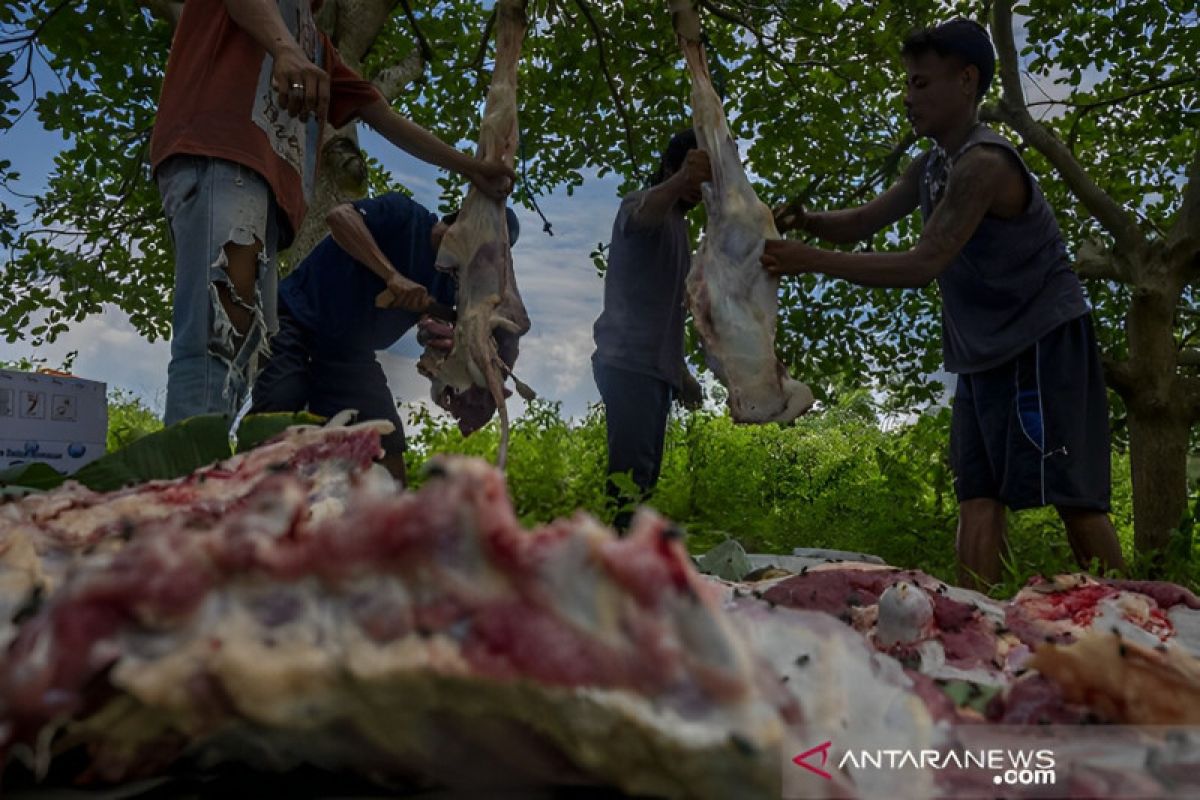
pixel 813 92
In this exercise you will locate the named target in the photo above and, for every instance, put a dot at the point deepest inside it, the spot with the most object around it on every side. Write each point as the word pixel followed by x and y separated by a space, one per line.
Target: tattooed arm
pixel 981 179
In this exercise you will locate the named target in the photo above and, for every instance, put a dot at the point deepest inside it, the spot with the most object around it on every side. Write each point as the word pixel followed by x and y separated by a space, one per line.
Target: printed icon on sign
pixel 63 407
pixel 33 404
pixel 6 403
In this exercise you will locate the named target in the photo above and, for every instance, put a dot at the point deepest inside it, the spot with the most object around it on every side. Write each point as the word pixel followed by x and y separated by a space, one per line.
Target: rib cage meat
pixel 408 636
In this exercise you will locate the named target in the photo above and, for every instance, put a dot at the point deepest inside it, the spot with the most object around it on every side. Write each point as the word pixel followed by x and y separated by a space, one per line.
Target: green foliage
pixel 169 453
pixel 107 242
pixel 36 475
pixel 258 428
pixel 129 419
pixel 1129 74
pixel 837 479
pixel 555 467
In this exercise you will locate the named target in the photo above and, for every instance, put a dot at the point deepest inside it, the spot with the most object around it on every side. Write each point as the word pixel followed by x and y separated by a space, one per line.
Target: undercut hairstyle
pixel 961 38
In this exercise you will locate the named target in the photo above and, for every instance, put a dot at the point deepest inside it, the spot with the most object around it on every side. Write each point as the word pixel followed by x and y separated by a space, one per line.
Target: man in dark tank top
pixel 1030 413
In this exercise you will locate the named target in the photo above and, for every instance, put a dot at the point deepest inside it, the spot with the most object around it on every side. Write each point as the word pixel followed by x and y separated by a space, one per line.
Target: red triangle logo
pixel 802 760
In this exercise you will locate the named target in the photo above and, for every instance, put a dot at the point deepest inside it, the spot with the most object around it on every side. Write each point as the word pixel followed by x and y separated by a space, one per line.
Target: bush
pixel 129 419
pixel 835 479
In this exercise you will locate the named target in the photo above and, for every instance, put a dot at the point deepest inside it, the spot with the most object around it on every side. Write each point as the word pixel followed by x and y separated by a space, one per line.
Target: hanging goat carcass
pixel 734 302
pixel 469 380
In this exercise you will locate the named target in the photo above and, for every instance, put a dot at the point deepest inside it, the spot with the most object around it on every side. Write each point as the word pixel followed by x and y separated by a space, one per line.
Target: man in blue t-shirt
pixel 323 358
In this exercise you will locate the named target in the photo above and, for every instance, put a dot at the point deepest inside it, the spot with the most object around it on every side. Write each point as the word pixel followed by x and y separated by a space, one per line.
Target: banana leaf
pixel 258 428
pixel 169 453
pixel 35 475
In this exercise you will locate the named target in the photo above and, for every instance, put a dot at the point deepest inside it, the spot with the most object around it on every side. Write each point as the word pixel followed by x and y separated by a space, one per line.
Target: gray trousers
pixel 636 408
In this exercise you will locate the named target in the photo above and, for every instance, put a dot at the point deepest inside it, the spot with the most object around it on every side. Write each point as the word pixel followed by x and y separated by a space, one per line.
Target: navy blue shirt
pixel 333 295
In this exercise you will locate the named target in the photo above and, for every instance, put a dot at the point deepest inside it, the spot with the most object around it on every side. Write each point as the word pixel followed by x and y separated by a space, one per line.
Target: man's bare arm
pixel 347 228
pixel 862 222
pixel 969 194
pixel 492 177
pixel 291 67
pixel 684 184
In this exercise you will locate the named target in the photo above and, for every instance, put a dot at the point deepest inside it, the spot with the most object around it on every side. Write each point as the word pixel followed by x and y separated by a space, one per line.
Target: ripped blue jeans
pixel 209 203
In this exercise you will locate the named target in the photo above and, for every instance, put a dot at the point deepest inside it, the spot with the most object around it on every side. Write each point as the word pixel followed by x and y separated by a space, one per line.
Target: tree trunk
pixel 1158 459
pixel 1159 416
pixel 341 177
pixel 353 26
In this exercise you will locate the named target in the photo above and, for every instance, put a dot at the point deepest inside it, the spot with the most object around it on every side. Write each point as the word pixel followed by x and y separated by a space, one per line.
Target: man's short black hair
pixel 514 227
pixel 964 38
pixel 674 155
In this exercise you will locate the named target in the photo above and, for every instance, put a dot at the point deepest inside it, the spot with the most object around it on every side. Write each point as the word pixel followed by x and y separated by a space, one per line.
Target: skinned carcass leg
pixel 469 381
pixel 734 302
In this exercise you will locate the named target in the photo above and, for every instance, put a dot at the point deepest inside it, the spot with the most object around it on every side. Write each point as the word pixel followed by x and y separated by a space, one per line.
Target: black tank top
pixel 1011 284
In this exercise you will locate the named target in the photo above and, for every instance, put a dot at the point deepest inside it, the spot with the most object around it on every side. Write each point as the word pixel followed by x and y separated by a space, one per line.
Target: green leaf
pixel 965 694
pixel 257 428
pixel 727 560
pixel 170 453
pixel 35 475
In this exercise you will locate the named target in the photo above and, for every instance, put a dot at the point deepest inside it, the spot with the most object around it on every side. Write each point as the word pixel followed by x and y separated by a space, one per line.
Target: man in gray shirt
pixel 1030 416
pixel 638 363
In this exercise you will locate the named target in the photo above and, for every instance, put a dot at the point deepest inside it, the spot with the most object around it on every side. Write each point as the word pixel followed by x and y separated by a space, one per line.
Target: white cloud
pixel 108 349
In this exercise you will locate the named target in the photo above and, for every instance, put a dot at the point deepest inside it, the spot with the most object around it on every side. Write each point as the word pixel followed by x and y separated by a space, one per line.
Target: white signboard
pixel 59 420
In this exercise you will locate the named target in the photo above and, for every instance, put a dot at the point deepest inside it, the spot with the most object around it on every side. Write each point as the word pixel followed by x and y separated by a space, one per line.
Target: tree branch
pixel 354 25
pixel 613 89
pixel 393 80
pixel 769 46
pixel 1189 388
pixel 422 42
pixel 1086 108
pixel 788 211
pixel 1012 111
pixel 1110 101
pixel 1120 375
pixel 481 52
pixel 1185 232
pixel 1096 262
pixel 27 39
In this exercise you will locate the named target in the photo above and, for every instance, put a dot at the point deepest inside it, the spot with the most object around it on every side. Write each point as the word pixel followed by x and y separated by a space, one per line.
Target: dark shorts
pixel 299 375
pixel 1034 430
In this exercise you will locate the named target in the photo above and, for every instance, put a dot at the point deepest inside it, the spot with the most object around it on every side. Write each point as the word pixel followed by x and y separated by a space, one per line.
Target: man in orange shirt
pixel 248 89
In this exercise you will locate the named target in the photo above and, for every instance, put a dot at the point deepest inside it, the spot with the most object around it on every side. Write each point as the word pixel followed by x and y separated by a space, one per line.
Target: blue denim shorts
pixel 209 203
